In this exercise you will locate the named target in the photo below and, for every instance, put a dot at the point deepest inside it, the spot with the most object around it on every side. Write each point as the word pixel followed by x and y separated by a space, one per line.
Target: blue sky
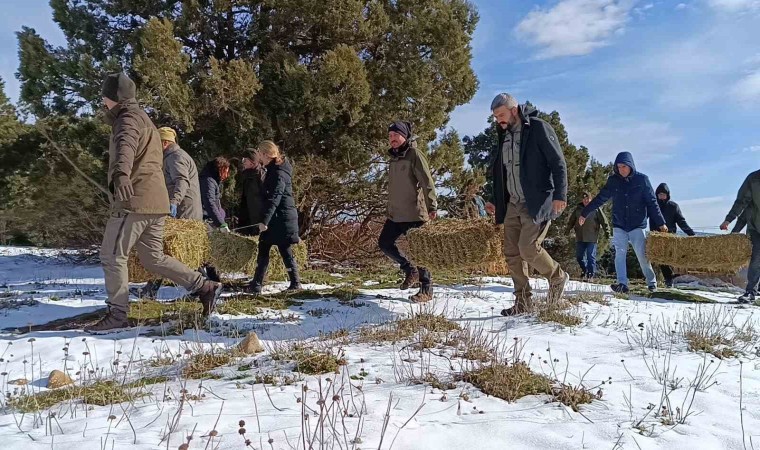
pixel 675 82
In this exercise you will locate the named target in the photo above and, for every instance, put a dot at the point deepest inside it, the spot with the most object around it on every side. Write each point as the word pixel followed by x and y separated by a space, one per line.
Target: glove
pixel 173 210
pixel 224 228
pixel 123 189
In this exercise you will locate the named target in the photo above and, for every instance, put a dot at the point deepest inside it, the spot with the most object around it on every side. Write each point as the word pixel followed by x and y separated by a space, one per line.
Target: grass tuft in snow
pixel 588 297
pixel 508 382
pixel 406 328
pixel 310 359
pixel 558 316
pixel 200 364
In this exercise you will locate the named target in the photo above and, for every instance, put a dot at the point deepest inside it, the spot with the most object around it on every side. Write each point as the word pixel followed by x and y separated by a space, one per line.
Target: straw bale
pixel 235 253
pixel 457 244
pixel 185 240
pixel 717 254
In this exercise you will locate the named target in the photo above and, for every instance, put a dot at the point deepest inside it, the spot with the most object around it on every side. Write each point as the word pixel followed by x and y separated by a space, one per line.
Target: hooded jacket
pixel 252 200
pixel 633 199
pixel 411 190
pixel 748 202
pixel 211 195
pixel 135 153
pixel 181 175
pixel 280 213
pixel 589 231
pixel 543 172
pixel 671 212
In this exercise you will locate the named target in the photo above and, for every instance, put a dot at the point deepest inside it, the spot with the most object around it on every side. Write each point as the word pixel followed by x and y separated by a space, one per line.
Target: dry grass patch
pixel 406 328
pixel 558 316
pixel 508 382
pixel 310 360
pixel 200 364
pixel 573 396
pixel 182 314
pixel 588 297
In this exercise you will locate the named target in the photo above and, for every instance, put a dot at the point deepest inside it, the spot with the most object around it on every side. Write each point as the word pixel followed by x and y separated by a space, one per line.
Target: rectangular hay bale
pixel 235 253
pixel 717 254
pixel 185 240
pixel 467 245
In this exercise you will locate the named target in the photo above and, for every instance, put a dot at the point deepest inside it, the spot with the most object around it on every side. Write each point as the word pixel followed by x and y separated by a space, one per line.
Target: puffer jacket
pixel 633 199
pixel 280 213
pixel 671 212
pixel 211 195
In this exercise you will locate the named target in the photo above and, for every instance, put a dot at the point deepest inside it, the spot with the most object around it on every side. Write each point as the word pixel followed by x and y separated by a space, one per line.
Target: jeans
pixel 753 273
pixel 637 238
pixel 391 232
pixel 587 251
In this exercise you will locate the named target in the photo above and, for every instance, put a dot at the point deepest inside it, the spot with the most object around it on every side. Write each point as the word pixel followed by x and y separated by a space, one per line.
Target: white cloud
pixel 681 6
pixel 747 89
pixel 751 149
pixel 575 27
pixel 734 5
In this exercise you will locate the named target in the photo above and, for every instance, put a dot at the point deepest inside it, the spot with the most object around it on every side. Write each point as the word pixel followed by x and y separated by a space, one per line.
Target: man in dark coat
pixel 633 200
pixel 530 190
pixel 212 176
pixel 252 199
pixel 673 218
pixel 587 235
pixel 412 201
pixel 747 205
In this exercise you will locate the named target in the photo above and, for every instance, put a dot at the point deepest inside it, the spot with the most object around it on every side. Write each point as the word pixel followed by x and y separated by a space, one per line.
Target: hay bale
pixel 235 253
pixel 725 253
pixel 185 240
pixel 457 244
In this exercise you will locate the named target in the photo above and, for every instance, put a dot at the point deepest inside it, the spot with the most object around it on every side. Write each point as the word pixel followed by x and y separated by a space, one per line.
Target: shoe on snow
pixel 208 294
pixel 423 296
pixel 619 288
pixel 411 279
pixel 652 289
pixel 111 323
pixel 747 297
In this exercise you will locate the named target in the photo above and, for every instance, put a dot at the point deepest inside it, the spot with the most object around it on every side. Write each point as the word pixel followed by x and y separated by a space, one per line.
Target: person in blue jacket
pixel 633 201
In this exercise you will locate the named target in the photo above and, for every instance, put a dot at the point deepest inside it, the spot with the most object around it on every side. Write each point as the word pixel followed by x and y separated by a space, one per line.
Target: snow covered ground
pixel 629 351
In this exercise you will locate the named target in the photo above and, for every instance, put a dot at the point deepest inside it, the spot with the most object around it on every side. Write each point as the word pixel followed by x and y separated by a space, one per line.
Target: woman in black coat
pixel 279 224
pixel 252 199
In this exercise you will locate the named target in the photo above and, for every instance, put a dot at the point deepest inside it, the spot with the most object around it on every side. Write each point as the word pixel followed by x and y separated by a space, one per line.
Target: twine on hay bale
pixel 185 240
pixel 718 254
pixel 471 245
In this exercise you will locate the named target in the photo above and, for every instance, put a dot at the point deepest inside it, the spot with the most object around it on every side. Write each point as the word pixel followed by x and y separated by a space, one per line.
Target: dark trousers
pixel 587 251
pixel 667 273
pixel 753 273
pixel 387 243
pixel 262 261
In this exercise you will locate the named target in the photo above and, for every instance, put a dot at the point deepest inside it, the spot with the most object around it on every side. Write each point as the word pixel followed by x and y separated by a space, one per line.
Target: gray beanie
pixel 118 87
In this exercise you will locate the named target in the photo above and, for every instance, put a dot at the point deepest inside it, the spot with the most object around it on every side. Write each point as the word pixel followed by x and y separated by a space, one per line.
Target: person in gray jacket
pixel 181 177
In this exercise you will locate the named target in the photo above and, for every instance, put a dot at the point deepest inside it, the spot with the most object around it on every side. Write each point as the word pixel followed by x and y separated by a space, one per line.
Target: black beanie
pixel 118 87
pixel 402 128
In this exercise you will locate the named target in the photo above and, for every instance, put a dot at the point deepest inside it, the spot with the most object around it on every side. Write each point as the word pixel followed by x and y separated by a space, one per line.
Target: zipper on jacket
pixel 118 235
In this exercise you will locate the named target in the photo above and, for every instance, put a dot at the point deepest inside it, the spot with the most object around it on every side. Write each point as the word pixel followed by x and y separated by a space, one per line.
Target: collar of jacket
pixel 172 148
pixel 404 149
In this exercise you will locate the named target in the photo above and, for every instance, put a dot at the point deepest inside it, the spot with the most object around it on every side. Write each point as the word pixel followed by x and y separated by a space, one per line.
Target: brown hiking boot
pixel 110 323
pixel 208 294
pixel 521 306
pixel 423 296
pixel 411 280
pixel 557 289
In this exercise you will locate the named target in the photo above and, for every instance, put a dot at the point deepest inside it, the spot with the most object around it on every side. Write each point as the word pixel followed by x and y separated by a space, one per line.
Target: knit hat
pixel 167 134
pixel 401 127
pixel 118 87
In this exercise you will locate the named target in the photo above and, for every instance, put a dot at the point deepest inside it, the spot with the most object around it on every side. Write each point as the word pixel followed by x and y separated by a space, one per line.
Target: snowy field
pixel 650 389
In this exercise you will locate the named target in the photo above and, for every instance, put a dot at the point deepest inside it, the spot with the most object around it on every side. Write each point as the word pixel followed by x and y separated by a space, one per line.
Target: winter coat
pixel 211 195
pixel 748 197
pixel 181 176
pixel 741 221
pixel 589 231
pixel 252 200
pixel 135 153
pixel 633 198
pixel 671 212
pixel 543 172
pixel 280 213
pixel 411 190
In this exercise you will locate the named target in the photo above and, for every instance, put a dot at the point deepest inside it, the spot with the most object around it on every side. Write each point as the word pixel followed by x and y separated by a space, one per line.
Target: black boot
pixel 257 283
pixel 295 280
pixel 426 287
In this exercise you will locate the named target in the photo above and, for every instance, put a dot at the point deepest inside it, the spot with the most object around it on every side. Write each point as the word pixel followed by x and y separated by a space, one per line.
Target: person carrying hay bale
pixel 747 204
pixel 530 190
pixel 181 177
pixel 252 198
pixel 673 217
pixel 633 200
pixel 279 223
pixel 139 206
pixel 212 176
pixel 412 201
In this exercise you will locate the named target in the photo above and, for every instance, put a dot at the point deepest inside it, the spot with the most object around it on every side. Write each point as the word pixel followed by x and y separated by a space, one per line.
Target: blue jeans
pixel 637 238
pixel 587 251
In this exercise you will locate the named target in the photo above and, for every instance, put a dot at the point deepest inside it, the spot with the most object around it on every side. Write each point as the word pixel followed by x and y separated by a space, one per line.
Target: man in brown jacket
pixel 181 176
pixel 412 201
pixel 138 209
